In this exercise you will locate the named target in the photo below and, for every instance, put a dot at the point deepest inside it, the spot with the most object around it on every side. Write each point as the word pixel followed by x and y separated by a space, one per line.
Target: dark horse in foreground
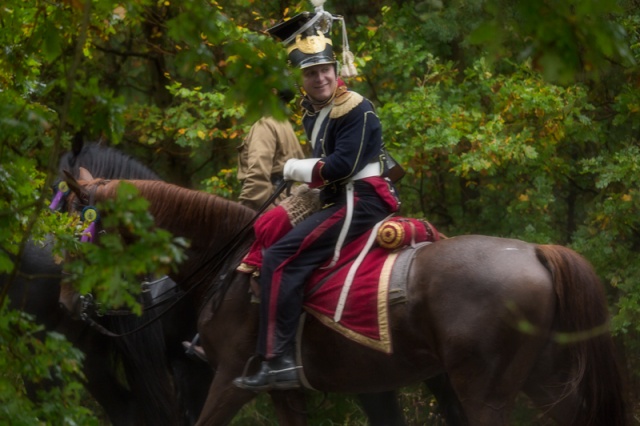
pixel 498 316
pixel 160 385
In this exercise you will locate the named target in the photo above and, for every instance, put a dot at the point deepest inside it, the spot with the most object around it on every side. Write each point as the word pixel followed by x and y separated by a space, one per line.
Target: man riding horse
pixel 349 168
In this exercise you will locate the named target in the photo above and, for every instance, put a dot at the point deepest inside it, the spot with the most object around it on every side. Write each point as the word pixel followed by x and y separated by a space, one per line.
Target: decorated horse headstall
pixel 61 191
pixel 82 200
pixel 89 214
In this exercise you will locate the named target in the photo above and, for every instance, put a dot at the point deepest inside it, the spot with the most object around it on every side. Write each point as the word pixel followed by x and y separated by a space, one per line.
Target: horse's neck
pixel 210 223
pixel 206 277
pixel 206 220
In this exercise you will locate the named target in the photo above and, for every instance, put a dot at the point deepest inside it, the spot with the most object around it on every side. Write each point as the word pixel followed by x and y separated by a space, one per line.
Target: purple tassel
pixel 56 200
pixel 88 233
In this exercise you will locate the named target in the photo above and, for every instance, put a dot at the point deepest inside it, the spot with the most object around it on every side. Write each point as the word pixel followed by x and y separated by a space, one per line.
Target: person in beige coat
pixel 261 157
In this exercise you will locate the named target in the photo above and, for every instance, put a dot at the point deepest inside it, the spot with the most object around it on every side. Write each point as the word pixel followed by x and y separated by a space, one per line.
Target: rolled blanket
pixel 403 231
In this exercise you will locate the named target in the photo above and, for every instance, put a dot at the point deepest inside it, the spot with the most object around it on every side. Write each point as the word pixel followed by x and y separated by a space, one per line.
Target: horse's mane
pixel 214 226
pixel 205 219
pixel 105 162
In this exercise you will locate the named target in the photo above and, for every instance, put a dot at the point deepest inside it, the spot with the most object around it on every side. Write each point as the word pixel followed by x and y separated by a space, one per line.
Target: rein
pixel 226 252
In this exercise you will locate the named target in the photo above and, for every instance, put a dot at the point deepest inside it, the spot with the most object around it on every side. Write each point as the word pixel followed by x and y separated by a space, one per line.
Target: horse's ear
pixel 78 143
pixel 84 174
pixel 74 186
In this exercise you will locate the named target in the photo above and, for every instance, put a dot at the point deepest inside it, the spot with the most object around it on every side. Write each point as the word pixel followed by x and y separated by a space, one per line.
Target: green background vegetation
pixel 513 118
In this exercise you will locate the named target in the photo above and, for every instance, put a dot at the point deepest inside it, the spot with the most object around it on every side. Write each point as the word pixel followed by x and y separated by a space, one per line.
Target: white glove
pixel 299 170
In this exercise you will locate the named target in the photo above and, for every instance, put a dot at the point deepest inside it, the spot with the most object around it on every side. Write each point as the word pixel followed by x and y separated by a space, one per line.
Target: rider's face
pixel 319 81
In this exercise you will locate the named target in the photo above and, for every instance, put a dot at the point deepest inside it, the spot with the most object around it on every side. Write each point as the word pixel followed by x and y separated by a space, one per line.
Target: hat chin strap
pixel 318 105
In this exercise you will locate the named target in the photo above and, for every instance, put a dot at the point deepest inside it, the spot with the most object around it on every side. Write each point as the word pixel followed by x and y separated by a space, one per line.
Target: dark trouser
pixel 289 262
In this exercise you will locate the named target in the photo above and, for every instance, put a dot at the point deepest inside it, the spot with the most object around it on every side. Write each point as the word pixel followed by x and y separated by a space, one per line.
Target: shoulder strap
pixel 316 126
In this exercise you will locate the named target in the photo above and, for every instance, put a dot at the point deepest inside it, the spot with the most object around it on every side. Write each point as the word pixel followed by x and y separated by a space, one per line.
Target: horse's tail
pixel 582 324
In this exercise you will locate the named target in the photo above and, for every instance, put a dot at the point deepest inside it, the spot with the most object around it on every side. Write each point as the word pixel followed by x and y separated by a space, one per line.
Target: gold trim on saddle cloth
pixel 384 344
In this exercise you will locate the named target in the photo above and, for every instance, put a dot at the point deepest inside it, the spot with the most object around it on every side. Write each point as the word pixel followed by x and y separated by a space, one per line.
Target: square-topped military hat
pixel 307 38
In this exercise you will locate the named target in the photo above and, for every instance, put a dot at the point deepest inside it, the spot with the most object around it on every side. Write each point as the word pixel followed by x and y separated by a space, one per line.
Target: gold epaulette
pixel 345 103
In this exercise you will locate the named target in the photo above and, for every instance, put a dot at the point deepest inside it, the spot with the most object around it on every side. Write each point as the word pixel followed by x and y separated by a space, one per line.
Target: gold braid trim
pixel 345 103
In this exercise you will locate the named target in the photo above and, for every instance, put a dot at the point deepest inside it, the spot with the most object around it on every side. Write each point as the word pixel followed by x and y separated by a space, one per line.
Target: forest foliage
pixel 513 118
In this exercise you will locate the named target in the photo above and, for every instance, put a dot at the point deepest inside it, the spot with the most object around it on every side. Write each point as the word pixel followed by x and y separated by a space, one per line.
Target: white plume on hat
pixel 348 68
pixel 317 3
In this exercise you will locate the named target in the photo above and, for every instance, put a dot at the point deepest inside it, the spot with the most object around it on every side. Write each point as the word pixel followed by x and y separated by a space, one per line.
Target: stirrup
pixel 246 366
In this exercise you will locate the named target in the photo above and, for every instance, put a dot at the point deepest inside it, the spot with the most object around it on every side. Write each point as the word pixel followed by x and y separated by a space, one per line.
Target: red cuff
pixel 316 176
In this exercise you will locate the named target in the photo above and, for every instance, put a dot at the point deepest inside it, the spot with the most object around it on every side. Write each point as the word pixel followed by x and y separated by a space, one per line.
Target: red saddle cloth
pixel 364 315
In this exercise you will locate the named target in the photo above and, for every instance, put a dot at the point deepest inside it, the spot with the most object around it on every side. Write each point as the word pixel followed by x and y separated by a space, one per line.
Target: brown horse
pixel 498 316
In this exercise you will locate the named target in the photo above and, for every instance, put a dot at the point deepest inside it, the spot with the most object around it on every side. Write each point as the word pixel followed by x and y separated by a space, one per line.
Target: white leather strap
pixel 316 126
pixel 345 226
pixel 371 169
pixel 354 268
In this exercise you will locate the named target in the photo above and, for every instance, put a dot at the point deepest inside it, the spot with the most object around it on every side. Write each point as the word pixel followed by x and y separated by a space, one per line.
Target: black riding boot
pixel 277 373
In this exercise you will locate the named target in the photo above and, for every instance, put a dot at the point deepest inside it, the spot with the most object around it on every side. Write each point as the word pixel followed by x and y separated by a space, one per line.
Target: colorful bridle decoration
pixel 91 217
pixel 61 191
